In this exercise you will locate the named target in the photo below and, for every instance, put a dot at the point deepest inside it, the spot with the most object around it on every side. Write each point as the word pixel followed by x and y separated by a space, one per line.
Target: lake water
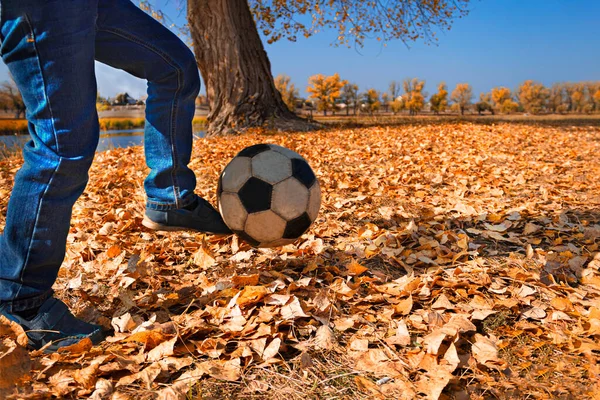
pixel 108 139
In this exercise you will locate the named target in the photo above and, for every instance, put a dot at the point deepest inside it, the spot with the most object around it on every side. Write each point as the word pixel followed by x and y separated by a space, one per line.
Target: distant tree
pixel 414 98
pixel 325 90
pixel 576 92
pixel 462 95
pixel 350 97
pixel 439 101
pixel 484 104
pixel 202 101
pixel 289 93
pixel 11 99
pixel 385 101
pixel 556 99
pixel 592 88
pixel 509 106
pixel 498 96
pixel 101 99
pixel 371 102
pixel 596 97
pixel 533 96
pixel 397 105
pixel 395 89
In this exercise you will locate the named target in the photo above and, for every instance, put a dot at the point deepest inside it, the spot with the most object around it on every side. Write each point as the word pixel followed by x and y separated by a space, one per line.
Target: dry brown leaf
pixel 147 376
pixel 113 251
pixel 104 389
pixel 324 338
pixel 485 350
pixel 562 304
pixel 87 376
pixel 62 383
pixel 225 370
pixel 292 310
pixel 442 303
pixel 272 349
pixel 251 295
pixel 451 357
pixel 433 383
pixel 161 351
pixel 535 313
pixel 355 268
pixel 401 337
pixel 404 307
pixel 245 280
pixel 15 363
pixel 13 330
pixel 343 324
pixel 150 339
pixel 203 258
pixel 368 386
pixel 434 340
pixel 358 344
pixel 124 323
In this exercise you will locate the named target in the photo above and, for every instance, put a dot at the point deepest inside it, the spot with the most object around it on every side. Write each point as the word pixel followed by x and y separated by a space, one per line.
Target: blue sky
pixel 500 43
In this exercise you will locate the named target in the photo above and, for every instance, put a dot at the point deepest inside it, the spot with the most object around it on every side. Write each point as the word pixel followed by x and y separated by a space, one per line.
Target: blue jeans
pixel 49 47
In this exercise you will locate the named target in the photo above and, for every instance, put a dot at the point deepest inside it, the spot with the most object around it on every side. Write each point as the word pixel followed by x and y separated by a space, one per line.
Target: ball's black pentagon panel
pixel 296 227
pixel 265 226
pixel 256 195
pixel 302 171
pixel 253 150
pixel 271 166
pixel 247 238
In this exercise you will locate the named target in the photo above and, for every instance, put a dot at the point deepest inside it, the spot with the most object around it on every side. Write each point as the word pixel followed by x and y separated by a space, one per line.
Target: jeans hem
pixel 12 306
pixel 161 206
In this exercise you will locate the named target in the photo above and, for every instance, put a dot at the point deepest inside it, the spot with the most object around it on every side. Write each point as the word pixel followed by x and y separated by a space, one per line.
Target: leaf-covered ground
pixel 450 260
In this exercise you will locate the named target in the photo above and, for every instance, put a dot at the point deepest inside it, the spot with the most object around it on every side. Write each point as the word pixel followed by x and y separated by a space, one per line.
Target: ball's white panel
pixel 285 151
pixel 277 243
pixel 314 201
pixel 265 226
pixel 236 173
pixel 271 166
pixel 233 211
pixel 290 198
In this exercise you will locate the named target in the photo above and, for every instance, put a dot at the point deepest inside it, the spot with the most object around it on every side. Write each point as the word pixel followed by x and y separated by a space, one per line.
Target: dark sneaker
pixel 55 324
pixel 200 216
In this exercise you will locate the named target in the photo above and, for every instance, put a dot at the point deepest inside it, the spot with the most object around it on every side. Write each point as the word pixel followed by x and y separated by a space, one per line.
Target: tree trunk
pixel 236 70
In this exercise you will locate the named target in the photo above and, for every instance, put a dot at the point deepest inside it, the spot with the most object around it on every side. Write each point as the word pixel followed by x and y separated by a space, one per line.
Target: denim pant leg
pixel 129 39
pixel 48 46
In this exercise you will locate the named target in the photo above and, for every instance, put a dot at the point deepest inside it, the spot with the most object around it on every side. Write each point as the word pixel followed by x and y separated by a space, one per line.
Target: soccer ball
pixel 268 195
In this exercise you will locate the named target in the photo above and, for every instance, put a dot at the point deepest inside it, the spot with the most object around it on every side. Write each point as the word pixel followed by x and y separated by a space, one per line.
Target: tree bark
pixel 236 70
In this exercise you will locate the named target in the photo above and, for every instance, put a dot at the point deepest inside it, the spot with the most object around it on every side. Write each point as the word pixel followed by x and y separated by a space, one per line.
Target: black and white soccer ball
pixel 268 195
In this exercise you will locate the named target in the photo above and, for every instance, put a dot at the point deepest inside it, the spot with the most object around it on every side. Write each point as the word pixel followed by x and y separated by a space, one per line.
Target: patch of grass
pixel 500 319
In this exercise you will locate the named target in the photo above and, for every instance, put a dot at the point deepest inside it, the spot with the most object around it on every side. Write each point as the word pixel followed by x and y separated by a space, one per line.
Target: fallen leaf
pixel 324 338
pixel 293 310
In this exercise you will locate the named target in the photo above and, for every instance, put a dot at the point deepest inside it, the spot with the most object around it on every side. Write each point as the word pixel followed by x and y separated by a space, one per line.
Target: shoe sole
pixel 155 226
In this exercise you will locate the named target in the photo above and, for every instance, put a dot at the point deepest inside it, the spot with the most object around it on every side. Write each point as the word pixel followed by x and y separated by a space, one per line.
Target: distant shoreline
pixel 119 120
